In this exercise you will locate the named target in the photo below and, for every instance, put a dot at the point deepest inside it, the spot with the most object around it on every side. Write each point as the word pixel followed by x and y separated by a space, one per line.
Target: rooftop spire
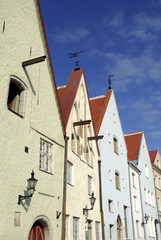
pixel 72 55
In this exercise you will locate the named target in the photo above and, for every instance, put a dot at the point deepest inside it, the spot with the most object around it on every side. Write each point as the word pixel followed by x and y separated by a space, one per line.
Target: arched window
pixel 17 93
pixel 115 144
pixel 117 180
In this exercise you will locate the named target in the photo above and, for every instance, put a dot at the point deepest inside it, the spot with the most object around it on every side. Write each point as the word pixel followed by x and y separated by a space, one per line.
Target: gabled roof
pixel 68 94
pixel 98 108
pixel 152 155
pixel 133 141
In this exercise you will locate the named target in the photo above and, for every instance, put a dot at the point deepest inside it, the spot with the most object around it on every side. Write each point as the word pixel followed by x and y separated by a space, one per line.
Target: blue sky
pixel 119 37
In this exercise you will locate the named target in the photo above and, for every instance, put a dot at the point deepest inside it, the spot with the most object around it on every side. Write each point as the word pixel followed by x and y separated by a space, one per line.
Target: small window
pixel 117 180
pixel 97 230
pixel 69 173
pixel 137 228
pixel 67 229
pixel 111 229
pixel 135 203
pixel 146 171
pixel 115 143
pixel 16 101
pixel 89 185
pixel 76 228
pixel 110 205
pixel 73 142
pixel 46 156
pixel 133 180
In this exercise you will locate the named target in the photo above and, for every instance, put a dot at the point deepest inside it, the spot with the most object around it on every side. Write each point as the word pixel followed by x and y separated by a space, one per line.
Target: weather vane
pixel 72 55
pixel 109 80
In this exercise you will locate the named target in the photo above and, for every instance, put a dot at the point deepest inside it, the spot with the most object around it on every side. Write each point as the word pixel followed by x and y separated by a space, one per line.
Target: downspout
pixel 131 202
pixel 64 188
pixel 101 209
pixel 142 205
pixel 157 210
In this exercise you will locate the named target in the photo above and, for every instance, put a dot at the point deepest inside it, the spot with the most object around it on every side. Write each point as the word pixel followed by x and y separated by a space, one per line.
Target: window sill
pixel 16 113
pixel 70 184
pixel 42 170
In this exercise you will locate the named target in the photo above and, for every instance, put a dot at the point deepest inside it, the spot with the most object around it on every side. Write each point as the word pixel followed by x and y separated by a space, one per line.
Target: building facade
pixel 156 165
pixel 138 154
pixel 82 162
pixel 32 135
pixel 114 168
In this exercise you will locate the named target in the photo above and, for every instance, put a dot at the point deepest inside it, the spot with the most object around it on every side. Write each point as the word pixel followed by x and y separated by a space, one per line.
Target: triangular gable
pixel 153 155
pixel 69 94
pixel 98 108
pixel 51 67
pixel 133 141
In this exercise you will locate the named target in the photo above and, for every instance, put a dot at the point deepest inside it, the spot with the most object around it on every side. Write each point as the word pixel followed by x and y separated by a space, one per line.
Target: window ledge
pixel 16 113
pixel 42 170
pixel 70 184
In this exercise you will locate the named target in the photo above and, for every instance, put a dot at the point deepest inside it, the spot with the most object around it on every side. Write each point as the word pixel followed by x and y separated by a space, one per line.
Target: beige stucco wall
pixel 21 35
pixel 77 193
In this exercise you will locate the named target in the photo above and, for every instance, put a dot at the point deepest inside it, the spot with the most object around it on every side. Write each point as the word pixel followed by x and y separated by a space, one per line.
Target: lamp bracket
pixel 58 214
pixel 86 210
pixel 20 198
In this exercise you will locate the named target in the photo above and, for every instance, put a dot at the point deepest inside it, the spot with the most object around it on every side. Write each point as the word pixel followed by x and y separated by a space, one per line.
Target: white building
pixel 114 167
pixel 139 155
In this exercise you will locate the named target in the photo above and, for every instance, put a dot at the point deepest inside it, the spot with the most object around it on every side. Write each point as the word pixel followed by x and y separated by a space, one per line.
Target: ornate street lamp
pixel 92 200
pixel 31 188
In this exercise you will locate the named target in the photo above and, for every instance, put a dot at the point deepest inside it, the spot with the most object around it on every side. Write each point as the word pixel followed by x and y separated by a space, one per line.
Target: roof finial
pixel 72 55
pixel 109 80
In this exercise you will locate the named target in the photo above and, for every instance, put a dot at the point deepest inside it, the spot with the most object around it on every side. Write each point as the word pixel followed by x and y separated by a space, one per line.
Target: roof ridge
pixel 101 96
pixel 134 133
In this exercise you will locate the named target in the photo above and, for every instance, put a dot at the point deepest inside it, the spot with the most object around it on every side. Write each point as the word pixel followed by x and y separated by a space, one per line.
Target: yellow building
pixel 31 130
pixel 156 165
pixel 82 220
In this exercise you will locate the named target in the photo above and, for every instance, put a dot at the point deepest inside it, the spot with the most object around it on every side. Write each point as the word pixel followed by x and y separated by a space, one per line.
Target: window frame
pixel 44 153
pixel 70 175
pixel 90 185
pixel 115 145
pixel 76 234
pixel 117 180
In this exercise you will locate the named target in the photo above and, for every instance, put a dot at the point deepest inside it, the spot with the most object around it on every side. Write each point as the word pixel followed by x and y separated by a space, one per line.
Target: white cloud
pixel 70 35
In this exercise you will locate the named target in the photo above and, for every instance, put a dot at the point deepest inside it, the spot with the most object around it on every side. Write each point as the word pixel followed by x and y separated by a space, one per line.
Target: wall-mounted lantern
pixel 31 188
pixel 146 217
pixel 92 200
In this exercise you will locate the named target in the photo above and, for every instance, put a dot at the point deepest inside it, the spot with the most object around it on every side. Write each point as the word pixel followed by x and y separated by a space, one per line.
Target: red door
pixel 37 232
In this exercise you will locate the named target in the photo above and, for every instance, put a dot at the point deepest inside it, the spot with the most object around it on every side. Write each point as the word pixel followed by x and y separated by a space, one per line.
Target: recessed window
pixel 16 101
pixel 89 185
pixel 73 142
pixel 67 229
pixel 76 233
pixel 97 225
pixel 69 173
pixel 135 203
pixel 46 156
pixel 117 180
pixel 146 171
pixel 111 230
pixel 110 205
pixel 115 143
pixel 137 228
pixel 133 180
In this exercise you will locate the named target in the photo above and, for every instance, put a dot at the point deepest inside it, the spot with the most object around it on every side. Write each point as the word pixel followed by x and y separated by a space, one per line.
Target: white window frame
pixel 97 228
pixel 146 170
pixel 76 228
pixel 115 145
pixel 70 173
pixel 67 227
pixel 110 205
pixel 46 149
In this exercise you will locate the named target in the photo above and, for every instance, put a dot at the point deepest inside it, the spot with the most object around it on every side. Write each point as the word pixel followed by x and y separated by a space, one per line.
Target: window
pixel 160 183
pixel 156 181
pixel 136 203
pixel 45 156
pixel 16 101
pixel 158 164
pixel 133 180
pixel 115 143
pixel 145 195
pixel 146 171
pixel 67 232
pixel 75 228
pixel 125 218
pixel 69 173
pixel 117 180
pixel 73 142
pixel 111 229
pixel 89 185
pixel 158 200
pixel 97 230
pixel 137 228
pixel 110 205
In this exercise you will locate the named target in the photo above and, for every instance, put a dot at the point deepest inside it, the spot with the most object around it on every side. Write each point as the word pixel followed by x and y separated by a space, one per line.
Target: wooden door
pixel 37 232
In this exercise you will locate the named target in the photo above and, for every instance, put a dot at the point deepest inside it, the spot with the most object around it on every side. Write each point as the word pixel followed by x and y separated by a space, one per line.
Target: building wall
pixel 22 39
pixel 83 166
pixel 136 204
pixel 157 179
pixel 147 190
pixel 111 162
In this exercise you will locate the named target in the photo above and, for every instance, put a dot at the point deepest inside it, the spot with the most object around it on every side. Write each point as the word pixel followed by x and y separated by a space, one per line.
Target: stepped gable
pixel 152 155
pixel 133 141
pixel 98 108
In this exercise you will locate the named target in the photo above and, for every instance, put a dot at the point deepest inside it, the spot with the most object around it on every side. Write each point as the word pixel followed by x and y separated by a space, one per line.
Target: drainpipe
pixel 131 201
pixel 142 206
pixel 100 187
pixel 64 188
pixel 157 210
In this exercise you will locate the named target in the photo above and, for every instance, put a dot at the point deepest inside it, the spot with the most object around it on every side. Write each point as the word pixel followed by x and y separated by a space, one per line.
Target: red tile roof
pixel 153 155
pixel 61 91
pixel 69 94
pixel 98 107
pixel 133 141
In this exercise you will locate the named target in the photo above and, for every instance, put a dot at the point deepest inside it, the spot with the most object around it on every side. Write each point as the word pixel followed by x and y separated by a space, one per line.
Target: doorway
pixel 37 232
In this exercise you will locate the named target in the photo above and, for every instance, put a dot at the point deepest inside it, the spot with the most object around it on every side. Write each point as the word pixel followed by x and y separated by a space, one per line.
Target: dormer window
pixel 115 143
pixel 16 101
